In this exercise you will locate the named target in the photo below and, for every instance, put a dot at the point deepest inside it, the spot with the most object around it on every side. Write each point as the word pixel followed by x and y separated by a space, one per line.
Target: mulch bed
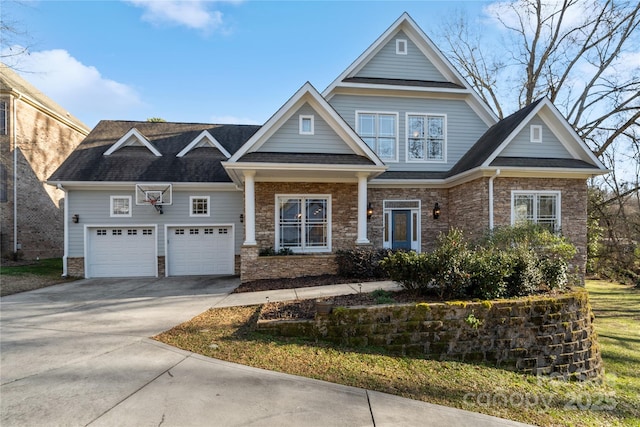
pixel 298 282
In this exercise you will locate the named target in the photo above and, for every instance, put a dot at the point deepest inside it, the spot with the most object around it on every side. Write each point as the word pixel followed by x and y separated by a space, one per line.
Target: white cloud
pixel 79 88
pixel 194 14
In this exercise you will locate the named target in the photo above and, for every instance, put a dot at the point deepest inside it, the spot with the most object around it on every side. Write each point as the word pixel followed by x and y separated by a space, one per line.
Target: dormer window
pixel 306 125
pixel 536 133
pixel 401 47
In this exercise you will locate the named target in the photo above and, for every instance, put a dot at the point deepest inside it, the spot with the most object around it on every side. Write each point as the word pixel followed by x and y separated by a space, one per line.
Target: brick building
pixel 36 136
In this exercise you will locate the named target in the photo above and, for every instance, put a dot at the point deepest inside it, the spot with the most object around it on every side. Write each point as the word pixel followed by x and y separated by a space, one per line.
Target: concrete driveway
pixel 78 354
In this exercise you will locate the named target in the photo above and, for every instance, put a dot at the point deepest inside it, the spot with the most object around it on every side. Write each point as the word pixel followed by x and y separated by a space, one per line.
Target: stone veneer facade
pixel 535 335
pixel 465 206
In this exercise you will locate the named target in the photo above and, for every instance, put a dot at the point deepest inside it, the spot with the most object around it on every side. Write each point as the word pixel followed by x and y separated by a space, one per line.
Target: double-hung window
pixel 120 206
pixel 380 132
pixel 426 137
pixel 303 223
pixel 542 207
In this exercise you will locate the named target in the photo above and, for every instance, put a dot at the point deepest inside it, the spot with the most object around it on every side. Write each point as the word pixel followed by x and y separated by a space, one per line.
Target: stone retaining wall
pixel 535 335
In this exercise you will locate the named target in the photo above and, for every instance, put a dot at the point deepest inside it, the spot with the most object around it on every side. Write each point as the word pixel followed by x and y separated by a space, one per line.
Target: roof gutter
pixel 65 255
pixel 491 198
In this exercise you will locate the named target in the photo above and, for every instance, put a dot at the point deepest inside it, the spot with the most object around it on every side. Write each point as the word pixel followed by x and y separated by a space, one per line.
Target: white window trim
pixel 114 215
pixel 304 249
pixel 192 198
pixel 536 133
pixel 556 193
pixel 416 245
pixel 444 143
pixel 399 43
pixel 394 113
pixel 301 120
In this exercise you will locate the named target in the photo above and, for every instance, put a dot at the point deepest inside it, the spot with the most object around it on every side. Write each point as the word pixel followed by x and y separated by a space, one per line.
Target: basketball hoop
pixel 152 201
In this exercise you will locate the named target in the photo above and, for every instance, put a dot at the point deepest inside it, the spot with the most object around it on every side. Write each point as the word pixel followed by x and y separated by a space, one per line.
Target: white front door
pixel 200 250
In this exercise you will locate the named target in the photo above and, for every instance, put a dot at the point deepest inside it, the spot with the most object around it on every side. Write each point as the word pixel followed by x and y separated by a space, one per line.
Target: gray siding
pixel 287 139
pixel 412 66
pixel 93 208
pixel 464 127
pixel 550 147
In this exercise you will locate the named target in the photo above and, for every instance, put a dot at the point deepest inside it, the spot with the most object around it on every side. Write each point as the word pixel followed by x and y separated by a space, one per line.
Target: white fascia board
pixel 302 166
pixel 116 185
pixel 512 135
pixel 520 172
pixel 307 94
pixel 426 46
pixel 139 136
pixel 205 135
pixel 556 123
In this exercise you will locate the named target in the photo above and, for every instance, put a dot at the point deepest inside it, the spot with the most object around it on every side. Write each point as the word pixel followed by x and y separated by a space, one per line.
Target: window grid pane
pixel 200 206
pixel 303 223
pixel 379 132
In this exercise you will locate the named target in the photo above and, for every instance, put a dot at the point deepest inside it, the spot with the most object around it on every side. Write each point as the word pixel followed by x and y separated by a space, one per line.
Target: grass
pixel 229 334
pixel 45 267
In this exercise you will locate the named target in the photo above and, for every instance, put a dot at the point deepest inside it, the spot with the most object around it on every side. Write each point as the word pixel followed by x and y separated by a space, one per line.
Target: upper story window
pixel 120 206
pixel 401 47
pixel 306 125
pixel 199 206
pixel 303 223
pixel 538 207
pixel 536 133
pixel 426 137
pixel 380 132
pixel 3 118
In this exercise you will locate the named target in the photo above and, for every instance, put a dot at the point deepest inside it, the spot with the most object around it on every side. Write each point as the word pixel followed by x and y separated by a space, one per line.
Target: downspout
pixel 491 198
pixel 65 255
pixel 15 175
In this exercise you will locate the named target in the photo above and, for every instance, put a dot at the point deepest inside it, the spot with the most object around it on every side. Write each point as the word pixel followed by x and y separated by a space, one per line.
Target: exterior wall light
pixel 241 218
pixel 369 211
pixel 436 211
pixel 75 218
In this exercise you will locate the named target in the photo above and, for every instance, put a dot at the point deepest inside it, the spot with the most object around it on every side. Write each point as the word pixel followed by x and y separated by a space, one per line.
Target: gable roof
pixel 133 138
pixel 486 151
pixel 138 164
pixel 454 83
pixel 205 139
pixel 12 83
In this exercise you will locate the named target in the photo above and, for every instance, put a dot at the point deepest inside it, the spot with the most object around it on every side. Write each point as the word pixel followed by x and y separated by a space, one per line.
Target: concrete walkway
pixel 78 354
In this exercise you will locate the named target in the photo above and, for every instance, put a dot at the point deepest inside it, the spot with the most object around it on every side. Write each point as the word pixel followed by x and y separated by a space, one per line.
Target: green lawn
pixel 229 334
pixel 45 267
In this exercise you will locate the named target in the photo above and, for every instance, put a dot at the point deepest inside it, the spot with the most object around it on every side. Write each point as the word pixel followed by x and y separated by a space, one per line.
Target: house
pixel 36 136
pixel 396 149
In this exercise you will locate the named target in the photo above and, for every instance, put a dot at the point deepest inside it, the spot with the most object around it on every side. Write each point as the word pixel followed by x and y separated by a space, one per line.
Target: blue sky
pixel 199 61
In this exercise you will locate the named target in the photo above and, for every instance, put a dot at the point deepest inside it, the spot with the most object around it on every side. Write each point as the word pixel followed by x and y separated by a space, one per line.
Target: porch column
pixel 362 209
pixel 249 208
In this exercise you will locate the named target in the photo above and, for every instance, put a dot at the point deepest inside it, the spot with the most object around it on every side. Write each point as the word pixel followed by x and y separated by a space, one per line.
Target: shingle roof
pixel 491 140
pixel 312 158
pixel 134 163
pixel 402 82
pixel 534 162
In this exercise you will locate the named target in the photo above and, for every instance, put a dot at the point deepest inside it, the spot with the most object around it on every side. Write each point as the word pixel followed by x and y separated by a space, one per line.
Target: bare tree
pixel 14 39
pixel 583 55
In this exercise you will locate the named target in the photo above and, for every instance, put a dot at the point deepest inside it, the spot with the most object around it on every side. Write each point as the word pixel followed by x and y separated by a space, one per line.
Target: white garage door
pixel 121 252
pixel 200 250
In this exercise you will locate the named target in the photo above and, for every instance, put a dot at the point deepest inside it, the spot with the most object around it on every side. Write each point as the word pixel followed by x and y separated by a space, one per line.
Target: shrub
pixel 361 263
pixel 450 263
pixel 489 269
pixel 412 270
pixel 272 252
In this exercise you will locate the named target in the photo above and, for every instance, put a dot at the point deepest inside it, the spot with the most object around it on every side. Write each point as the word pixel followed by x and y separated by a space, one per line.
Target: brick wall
pixel 469 207
pixel 536 335
pixel 573 209
pixel 43 144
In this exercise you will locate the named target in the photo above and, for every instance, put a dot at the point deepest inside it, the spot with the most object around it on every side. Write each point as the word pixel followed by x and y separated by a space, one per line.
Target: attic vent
pixel 401 47
pixel 536 133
